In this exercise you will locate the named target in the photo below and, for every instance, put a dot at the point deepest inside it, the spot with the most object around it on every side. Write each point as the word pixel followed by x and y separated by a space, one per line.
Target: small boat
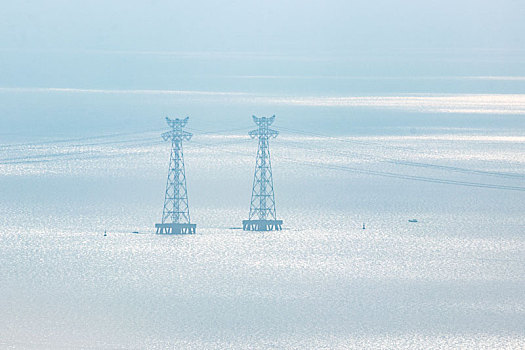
pixel 135 232
pixel 412 220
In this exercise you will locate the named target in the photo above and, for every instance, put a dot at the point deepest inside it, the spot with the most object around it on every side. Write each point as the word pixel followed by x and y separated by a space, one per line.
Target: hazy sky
pixel 270 25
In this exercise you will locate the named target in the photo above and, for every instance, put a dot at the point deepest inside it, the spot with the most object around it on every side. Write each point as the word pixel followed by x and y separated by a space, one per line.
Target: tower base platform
pixel 262 225
pixel 175 229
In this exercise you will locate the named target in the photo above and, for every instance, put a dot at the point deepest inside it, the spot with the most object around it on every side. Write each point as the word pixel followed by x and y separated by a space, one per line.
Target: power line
pixel 388 174
pixel 203 132
pixel 309 133
pixel 410 163
pixel 73 155
pixel 56 141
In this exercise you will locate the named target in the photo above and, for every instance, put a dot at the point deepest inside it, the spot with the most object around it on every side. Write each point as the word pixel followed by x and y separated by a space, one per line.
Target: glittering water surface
pixel 454 279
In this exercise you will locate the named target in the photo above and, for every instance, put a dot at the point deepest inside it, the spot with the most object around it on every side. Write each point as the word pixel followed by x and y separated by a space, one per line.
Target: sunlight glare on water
pixel 454 279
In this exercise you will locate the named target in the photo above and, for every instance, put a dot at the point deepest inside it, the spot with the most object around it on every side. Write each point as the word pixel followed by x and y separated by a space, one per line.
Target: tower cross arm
pixel 186 135
pixel 177 135
pixel 272 133
pixel 167 136
pixel 263 132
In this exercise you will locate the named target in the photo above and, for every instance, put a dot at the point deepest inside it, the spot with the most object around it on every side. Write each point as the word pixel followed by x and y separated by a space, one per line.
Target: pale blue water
pixel 454 279
pixel 254 83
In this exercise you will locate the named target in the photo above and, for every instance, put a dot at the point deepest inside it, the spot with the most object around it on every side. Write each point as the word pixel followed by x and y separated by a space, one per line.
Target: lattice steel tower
pixel 176 213
pixel 262 206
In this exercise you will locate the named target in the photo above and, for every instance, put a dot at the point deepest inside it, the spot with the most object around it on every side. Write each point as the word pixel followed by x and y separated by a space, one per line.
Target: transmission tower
pixel 262 206
pixel 176 213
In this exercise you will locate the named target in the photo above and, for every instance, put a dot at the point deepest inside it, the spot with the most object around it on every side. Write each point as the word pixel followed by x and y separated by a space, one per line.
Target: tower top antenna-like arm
pixel 176 132
pixel 263 120
pixel 177 123
pixel 263 130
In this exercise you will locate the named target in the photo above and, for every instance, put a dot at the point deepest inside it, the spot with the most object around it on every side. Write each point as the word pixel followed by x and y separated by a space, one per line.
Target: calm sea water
pixel 80 161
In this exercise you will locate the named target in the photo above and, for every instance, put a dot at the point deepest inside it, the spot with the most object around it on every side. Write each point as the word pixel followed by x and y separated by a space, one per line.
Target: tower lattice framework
pixel 262 215
pixel 176 212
